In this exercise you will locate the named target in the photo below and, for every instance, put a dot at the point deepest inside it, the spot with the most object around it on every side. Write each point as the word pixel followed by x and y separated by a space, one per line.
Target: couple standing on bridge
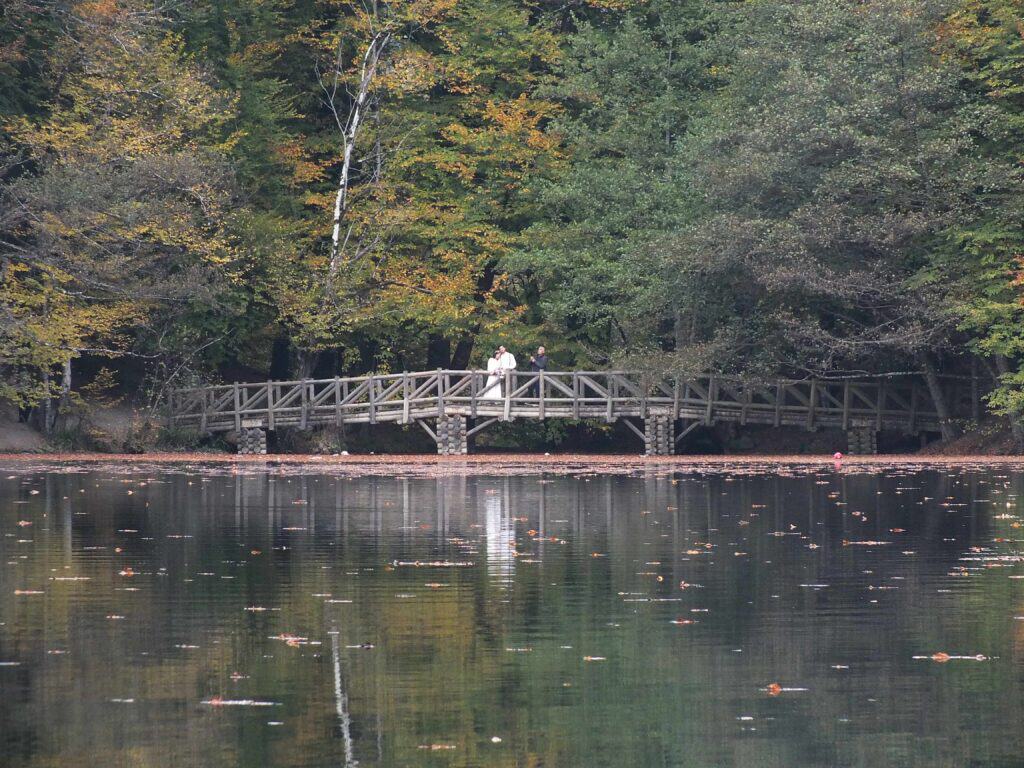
pixel 502 360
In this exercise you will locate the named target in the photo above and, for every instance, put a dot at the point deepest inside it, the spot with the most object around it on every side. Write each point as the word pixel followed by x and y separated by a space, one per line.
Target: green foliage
pixel 771 186
pixel 628 85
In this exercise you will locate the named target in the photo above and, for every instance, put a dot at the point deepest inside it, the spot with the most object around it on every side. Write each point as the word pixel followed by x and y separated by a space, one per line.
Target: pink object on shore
pixel 837 456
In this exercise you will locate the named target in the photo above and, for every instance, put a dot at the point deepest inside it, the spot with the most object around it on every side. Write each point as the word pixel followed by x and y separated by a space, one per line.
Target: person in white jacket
pixel 502 361
pixel 506 361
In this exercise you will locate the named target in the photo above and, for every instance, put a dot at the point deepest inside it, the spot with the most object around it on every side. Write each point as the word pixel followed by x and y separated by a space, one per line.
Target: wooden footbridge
pixel 452 406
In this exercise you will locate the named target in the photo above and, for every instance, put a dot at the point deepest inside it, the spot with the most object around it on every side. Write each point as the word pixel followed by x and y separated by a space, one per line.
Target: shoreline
pixel 506 459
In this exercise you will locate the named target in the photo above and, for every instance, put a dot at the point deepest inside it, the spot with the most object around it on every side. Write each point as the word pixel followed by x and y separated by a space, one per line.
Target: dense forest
pixel 199 191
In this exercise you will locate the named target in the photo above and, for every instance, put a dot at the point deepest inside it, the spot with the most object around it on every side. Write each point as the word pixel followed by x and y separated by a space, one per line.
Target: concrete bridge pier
pixel 659 435
pixel 451 436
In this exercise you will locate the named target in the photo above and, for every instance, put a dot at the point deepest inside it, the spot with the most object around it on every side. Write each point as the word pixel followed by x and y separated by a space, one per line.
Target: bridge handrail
pixel 762 381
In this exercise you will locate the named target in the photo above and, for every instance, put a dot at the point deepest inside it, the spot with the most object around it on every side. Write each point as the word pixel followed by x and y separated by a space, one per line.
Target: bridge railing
pixel 901 403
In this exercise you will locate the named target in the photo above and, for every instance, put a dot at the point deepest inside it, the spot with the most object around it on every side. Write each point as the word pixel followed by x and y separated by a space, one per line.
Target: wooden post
pixel 508 395
pixel 575 395
pixel 846 404
pixel 474 380
pixel 238 409
pixel 780 395
pixel 643 396
pixel 337 402
pixel 675 398
pixel 712 384
pixel 540 390
pixel 303 418
pixel 405 397
pixel 612 390
pixel 812 402
pixel 880 405
pixel 371 386
pixel 912 429
pixel 975 391
pixel 270 405
pixel 440 394
pixel 202 411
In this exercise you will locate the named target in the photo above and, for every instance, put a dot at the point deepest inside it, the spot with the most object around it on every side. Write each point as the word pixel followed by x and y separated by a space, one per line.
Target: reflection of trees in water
pixel 440 672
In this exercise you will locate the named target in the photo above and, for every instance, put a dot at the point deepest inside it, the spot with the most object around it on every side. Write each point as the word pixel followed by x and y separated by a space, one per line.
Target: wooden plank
pixel 540 390
pixel 689 428
pixel 576 396
pixel 482 425
pixel 636 430
pixel 427 429
pixel 780 396
pixel 238 408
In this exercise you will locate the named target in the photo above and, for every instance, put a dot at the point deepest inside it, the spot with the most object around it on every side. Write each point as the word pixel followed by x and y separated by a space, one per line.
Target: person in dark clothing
pixel 538 362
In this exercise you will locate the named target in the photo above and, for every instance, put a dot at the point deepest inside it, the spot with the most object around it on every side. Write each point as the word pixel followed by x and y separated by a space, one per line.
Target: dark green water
pixel 202 617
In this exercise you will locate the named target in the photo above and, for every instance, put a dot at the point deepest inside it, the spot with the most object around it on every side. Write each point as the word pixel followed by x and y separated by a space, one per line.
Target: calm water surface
pixel 207 617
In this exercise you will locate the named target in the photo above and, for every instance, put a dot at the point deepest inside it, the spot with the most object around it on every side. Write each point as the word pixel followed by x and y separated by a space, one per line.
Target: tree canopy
pixel 194 192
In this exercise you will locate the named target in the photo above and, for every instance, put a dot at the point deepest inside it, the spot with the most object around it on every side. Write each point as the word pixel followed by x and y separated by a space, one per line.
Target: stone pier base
pixel 451 436
pixel 862 441
pixel 659 436
pixel 252 441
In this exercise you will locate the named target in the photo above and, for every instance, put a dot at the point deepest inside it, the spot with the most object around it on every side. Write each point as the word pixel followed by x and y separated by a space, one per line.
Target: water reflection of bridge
pixel 452 406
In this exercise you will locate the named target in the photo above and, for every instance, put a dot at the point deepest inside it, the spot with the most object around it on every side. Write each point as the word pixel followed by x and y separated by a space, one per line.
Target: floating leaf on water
pixel 217 701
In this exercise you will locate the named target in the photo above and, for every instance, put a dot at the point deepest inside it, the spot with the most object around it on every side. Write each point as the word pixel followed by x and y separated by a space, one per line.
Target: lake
pixel 189 615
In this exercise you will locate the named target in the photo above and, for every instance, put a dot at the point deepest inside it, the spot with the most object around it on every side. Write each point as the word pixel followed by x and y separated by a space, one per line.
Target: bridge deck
pixel 895 403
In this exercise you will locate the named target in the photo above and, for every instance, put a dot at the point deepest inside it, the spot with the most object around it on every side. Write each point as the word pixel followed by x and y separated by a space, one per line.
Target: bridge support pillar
pixel 451 436
pixel 252 441
pixel 862 441
pixel 659 435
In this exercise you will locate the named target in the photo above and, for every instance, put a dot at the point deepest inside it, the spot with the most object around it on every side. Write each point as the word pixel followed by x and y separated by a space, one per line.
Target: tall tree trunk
pixel 931 377
pixel 1017 429
pixel 463 351
pixel 280 359
pixel 46 407
pixel 305 363
pixel 350 133
pixel 64 401
pixel 439 351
